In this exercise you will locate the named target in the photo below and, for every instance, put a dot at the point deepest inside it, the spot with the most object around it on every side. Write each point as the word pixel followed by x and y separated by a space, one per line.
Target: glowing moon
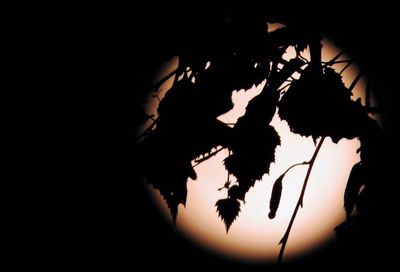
pixel 253 236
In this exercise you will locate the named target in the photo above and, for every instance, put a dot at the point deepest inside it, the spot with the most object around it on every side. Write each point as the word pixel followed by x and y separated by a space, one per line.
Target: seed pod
pixel 275 197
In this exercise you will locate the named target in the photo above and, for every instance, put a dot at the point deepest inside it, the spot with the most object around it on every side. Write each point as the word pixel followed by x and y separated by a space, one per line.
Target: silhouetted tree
pixel 236 53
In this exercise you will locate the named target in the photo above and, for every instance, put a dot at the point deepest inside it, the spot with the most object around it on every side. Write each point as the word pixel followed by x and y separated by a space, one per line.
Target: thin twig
pixel 148 129
pixel 345 67
pixel 284 87
pixel 339 61
pixel 355 81
pixel 161 81
pixel 298 68
pixel 289 80
pixel 299 202
pixel 303 58
pixel 158 98
pixel 368 94
pixel 151 116
pixel 332 61
pixel 293 79
pixel 294 165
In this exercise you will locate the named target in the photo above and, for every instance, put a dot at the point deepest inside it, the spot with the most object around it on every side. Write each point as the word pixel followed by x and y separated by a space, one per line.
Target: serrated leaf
pixel 175 198
pixel 319 105
pixel 261 108
pixel 354 183
pixel 228 209
pixel 275 197
pixel 253 150
pixel 171 182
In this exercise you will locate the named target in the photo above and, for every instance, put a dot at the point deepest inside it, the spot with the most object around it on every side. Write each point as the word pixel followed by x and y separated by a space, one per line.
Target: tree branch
pixel 161 81
pixel 355 81
pixel 299 202
pixel 346 66
pixel 333 61
pixel 147 130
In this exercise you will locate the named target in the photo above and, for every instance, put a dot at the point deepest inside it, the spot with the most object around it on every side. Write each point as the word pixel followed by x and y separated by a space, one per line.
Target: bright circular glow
pixel 253 236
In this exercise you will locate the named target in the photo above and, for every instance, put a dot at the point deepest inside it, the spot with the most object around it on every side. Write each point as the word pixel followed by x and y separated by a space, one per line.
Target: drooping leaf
pixel 275 197
pixel 180 98
pixel 261 108
pixel 354 183
pixel 170 178
pixel 320 106
pixel 166 153
pixel 176 197
pixel 165 157
pixel 253 150
pixel 228 209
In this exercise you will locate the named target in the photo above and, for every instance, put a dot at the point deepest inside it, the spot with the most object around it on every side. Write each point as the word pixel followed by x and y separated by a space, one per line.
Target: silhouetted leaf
pixel 253 142
pixel 228 209
pixel 262 107
pixel 166 154
pixel 354 183
pixel 241 54
pixel 320 106
pixel 179 99
pixel 253 150
pixel 233 192
pixel 275 197
pixel 170 176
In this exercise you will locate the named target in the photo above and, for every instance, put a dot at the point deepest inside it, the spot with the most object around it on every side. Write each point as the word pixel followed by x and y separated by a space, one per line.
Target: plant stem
pixel 294 165
pixel 346 66
pixel 333 61
pixel 299 202
pixel 147 130
pixel 337 62
pixel 355 81
pixel 161 81
pixel 368 94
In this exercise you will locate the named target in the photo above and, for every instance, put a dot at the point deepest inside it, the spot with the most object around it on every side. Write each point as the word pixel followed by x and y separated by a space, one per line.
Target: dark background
pixel 106 219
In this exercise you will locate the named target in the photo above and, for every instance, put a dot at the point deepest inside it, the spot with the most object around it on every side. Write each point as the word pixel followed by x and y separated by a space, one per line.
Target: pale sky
pixel 253 236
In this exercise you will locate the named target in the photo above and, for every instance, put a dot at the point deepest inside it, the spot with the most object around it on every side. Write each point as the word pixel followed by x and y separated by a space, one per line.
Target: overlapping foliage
pixel 318 104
